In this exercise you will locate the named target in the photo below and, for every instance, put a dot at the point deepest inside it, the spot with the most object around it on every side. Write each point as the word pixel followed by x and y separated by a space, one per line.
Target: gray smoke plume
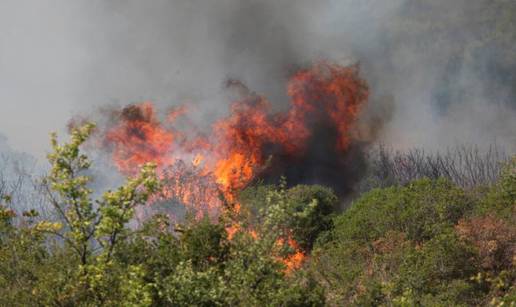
pixel 440 71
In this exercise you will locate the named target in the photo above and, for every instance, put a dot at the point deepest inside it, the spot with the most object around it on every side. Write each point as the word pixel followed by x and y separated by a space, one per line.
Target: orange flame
pixel 294 260
pixel 139 138
pixel 199 169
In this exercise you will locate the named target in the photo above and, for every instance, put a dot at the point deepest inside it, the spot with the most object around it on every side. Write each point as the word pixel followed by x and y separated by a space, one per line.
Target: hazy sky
pixel 61 58
pixel 42 57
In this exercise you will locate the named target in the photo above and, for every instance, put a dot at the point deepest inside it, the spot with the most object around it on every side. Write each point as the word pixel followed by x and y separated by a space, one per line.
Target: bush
pixel 421 209
pixel 305 211
pixel 427 243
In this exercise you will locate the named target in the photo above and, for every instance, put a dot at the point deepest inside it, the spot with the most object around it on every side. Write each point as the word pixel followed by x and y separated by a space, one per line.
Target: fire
pixel 335 90
pixel 197 160
pixel 199 168
pixel 295 260
pixel 140 138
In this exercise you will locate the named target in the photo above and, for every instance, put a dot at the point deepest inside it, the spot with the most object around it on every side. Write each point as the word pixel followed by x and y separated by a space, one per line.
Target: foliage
pixel 425 243
pixel 421 209
pixel 301 212
pixel 500 197
pixel 428 243
pixel 90 256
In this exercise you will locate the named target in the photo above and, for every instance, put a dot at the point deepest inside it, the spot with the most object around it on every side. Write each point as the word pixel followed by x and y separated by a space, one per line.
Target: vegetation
pixel 424 242
pixel 428 243
pixel 465 166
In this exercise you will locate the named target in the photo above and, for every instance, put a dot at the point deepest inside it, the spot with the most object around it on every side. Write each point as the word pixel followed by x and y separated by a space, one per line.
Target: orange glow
pixel 197 160
pixel 139 138
pixel 336 90
pixel 295 260
pixel 176 112
pixel 198 168
pixel 232 230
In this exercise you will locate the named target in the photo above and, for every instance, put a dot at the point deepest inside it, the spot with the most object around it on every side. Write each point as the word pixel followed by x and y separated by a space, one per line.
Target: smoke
pixel 176 51
pixel 18 173
pixel 440 72
pixel 41 59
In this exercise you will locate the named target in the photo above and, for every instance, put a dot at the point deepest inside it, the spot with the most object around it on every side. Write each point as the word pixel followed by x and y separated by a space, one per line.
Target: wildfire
pixel 199 169
pixel 295 260
pixel 139 138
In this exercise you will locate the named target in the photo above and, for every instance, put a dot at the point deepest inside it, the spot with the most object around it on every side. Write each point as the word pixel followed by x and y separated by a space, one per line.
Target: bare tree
pixel 20 187
pixel 465 165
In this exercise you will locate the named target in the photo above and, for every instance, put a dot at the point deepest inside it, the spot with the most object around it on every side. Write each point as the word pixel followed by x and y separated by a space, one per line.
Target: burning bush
pixel 428 242
pixel 250 143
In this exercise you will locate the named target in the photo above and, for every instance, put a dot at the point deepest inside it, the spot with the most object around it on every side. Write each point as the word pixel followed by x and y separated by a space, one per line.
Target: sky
pixel 42 58
pixel 60 59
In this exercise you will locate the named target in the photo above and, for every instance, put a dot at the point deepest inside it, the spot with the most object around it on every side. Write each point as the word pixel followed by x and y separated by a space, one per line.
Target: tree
pixel 93 230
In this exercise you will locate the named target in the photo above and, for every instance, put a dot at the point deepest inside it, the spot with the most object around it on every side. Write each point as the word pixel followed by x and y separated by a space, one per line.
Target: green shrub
pixel 421 209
